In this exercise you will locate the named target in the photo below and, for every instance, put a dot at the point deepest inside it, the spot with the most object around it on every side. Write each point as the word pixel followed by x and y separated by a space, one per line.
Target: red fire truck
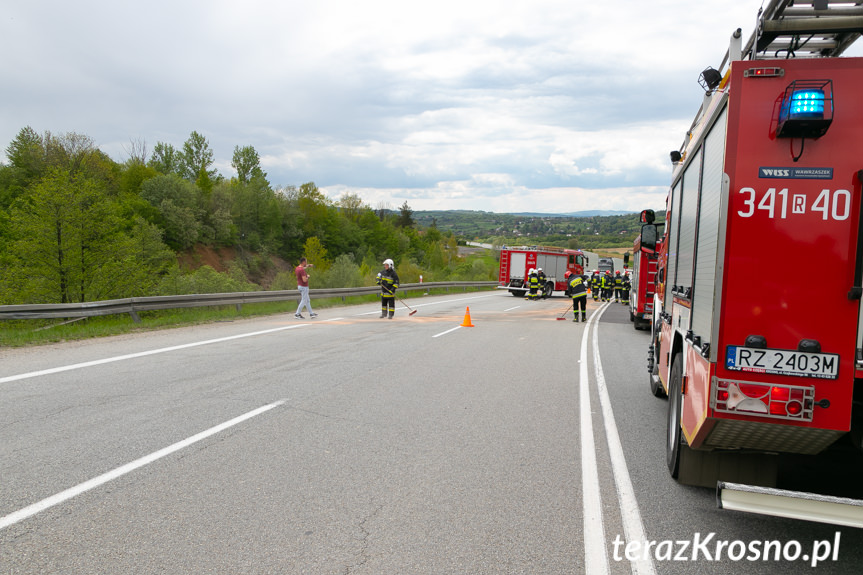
pixel 643 280
pixel 754 358
pixel 516 263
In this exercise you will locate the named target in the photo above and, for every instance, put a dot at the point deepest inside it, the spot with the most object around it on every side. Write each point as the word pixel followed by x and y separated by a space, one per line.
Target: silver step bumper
pixel 792 504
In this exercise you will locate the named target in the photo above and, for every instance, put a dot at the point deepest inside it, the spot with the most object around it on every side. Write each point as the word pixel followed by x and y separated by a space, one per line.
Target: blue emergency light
pixel 807 104
pixel 806 110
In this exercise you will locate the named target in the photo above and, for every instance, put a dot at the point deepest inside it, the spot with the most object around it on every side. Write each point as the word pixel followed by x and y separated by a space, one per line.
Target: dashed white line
pixel 447 331
pixel 68 494
pixel 142 354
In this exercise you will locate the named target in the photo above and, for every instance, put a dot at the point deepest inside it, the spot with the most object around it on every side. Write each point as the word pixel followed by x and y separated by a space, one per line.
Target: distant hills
pixel 584 228
pixel 584 214
pixel 426 214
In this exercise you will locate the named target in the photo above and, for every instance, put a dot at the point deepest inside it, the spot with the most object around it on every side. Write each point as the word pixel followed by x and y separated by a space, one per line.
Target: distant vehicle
pixel 606 264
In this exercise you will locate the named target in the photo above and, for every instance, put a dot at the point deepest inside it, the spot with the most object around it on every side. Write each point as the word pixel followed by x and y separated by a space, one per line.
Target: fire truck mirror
pixel 626 259
pixel 648 238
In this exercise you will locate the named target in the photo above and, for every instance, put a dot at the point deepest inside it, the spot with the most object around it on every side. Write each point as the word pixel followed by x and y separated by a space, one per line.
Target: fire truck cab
pixel 755 362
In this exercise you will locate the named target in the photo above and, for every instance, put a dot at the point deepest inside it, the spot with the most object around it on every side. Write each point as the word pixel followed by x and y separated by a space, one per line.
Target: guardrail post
pixel 134 315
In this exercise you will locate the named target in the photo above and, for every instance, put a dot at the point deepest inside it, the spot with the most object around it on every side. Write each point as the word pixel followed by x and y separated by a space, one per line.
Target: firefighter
pixel 618 285
pixel 578 292
pixel 607 286
pixel 594 285
pixel 532 284
pixel 389 282
pixel 625 287
pixel 540 276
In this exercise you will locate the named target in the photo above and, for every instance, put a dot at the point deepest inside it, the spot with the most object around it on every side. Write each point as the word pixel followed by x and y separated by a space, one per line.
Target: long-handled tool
pixel 413 311
pixel 561 318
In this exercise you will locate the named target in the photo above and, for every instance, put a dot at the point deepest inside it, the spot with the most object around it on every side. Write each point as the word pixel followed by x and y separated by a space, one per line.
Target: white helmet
pixel 388 262
pixel 538 270
pixel 531 271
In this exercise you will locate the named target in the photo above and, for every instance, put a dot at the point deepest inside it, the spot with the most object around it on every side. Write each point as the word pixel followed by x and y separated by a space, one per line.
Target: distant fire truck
pixel 516 263
pixel 756 361
pixel 643 281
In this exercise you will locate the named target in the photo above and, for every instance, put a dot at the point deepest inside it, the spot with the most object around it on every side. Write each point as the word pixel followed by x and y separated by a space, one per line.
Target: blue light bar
pixel 807 104
pixel 806 110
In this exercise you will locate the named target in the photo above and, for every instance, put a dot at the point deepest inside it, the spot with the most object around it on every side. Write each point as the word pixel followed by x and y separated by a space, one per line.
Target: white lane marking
pixel 633 526
pixel 447 331
pixel 142 354
pixel 60 369
pixel 595 559
pixel 512 308
pixel 68 494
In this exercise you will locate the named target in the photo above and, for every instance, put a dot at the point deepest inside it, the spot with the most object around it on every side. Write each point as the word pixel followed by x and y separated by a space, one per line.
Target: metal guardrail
pixel 135 304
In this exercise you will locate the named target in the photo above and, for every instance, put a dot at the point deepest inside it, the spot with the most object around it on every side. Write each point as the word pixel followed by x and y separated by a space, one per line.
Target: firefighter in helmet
pixel 607 286
pixel 540 276
pixel 618 285
pixel 389 282
pixel 625 288
pixel 578 293
pixel 532 284
pixel 594 285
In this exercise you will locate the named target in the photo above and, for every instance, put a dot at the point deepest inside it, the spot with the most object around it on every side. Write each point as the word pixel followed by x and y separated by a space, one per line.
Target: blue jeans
pixel 304 299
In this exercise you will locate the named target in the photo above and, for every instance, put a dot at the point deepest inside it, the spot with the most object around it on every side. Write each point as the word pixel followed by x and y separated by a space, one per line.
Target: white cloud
pixel 500 105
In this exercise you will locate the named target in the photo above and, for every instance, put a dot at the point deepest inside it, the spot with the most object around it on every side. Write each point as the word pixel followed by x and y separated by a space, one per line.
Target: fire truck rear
pixel 516 263
pixel 754 358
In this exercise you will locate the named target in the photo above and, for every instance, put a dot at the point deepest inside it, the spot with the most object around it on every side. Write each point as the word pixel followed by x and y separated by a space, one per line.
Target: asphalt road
pixel 353 444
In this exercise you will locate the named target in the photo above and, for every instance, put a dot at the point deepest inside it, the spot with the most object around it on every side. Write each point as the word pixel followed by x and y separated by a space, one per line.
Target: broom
pixel 413 311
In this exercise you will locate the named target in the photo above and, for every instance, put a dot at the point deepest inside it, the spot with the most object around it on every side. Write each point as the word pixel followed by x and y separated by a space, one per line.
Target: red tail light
pixel 778 401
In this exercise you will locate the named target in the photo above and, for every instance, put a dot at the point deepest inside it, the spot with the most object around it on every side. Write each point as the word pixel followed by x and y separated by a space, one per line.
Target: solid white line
pixel 512 308
pixel 142 354
pixel 633 526
pixel 68 494
pixel 447 331
pixel 595 559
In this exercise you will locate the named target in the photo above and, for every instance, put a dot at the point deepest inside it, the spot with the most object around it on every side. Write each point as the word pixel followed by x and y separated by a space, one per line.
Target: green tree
pixel 405 219
pixel 351 206
pixel 178 204
pixel 313 205
pixel 69 243
pixel 165 159
pixel 134 175
pixel 196 160
pixel 247 163
pixel 316 254
pixel 343 273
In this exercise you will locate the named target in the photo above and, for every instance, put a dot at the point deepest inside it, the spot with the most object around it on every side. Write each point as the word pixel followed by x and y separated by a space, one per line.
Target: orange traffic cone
pixel 466 322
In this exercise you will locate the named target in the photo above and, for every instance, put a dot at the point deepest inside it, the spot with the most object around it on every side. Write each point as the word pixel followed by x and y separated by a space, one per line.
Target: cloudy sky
pixel 496 105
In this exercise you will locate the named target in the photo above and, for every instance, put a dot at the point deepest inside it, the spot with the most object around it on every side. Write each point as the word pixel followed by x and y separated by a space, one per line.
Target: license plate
pixel 782 362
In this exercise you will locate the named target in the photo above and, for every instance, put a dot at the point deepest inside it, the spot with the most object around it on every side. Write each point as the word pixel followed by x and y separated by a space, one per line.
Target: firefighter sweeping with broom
pixel 389 282
pixel 578 291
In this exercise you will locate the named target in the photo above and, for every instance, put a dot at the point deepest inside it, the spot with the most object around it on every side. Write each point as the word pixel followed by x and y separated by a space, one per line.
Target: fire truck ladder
pixel 807 28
